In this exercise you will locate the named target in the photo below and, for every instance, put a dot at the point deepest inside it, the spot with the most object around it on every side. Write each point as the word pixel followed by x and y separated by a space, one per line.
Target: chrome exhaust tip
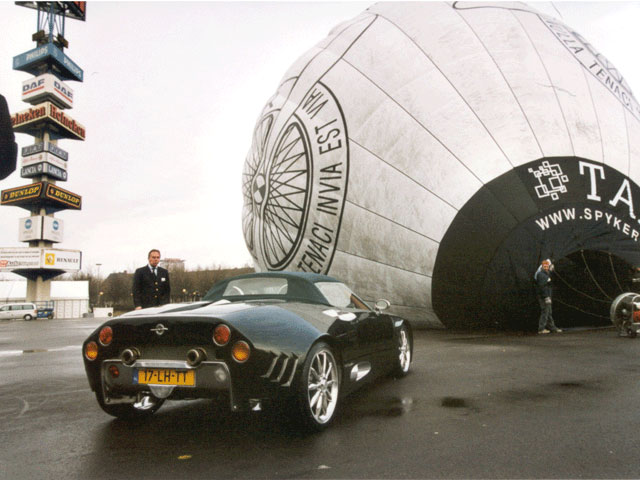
pixel 129 356
pixel 196 356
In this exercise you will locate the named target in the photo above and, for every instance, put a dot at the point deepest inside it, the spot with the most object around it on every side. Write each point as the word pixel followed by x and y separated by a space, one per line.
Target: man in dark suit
pixel 151 283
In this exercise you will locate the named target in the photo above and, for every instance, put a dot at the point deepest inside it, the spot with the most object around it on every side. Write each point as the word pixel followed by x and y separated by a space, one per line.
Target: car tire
pixel 403 353
pixel 130 411
pixel 50 316
pixel 28 317
pixel 319 388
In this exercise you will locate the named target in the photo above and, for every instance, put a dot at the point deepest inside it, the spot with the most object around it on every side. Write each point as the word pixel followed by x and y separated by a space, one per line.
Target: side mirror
pixel 381 305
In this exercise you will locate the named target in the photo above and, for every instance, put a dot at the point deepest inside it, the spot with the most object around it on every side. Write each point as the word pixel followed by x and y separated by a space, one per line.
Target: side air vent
pixel 282 369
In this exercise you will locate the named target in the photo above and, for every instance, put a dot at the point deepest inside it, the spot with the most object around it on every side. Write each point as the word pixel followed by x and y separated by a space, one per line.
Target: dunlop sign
pixel 19 194
pixel 44 194
pixel 71 200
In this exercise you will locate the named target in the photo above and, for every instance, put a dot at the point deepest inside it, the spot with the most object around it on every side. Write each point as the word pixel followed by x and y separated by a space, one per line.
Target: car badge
pixel 160 329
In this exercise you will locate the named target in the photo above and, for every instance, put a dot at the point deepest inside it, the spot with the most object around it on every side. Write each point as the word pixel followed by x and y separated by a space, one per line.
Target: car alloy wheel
pixel 403 352
pixel 321 386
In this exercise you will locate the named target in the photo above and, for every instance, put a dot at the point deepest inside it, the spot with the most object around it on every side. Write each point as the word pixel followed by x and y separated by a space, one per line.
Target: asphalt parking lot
pixel 476 405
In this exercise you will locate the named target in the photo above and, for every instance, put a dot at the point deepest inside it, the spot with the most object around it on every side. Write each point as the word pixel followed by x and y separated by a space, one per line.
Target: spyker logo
pixel 551 180
pixel 159 329
pixel 295 182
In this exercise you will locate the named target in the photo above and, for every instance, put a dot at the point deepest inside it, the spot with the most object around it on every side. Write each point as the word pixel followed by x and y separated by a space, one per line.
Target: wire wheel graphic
pixel 253 164
pixel 284 196
pixel 276 192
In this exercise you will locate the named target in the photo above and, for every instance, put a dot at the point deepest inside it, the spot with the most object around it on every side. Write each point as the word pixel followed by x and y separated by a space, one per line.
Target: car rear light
pixel 105 336
pixel 113 370
pixel 240 351
pixel 91 351
pixel 221 335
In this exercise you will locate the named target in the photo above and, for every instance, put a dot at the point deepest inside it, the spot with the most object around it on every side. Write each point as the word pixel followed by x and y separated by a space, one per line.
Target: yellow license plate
pixel 164 376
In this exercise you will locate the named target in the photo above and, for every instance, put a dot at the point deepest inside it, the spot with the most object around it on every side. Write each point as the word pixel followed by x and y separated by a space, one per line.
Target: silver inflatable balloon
pixel 433 153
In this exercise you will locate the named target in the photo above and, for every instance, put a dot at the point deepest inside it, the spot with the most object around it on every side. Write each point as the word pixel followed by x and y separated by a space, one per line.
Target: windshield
pixel 257 286
pixel 341 296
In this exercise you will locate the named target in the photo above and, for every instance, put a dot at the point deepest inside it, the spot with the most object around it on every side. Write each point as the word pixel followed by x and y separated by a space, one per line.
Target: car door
pixel 374 329
pixel 16 311
pixel 4 312
pixel 370 332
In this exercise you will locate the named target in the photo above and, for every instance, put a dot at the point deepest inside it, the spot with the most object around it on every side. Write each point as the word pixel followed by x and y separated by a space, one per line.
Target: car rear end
pixel 171 357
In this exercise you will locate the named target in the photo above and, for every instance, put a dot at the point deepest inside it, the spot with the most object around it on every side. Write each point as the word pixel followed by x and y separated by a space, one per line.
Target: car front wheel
pixel 28 317
pixel 320 387
pixel 145 406
pixel 403 352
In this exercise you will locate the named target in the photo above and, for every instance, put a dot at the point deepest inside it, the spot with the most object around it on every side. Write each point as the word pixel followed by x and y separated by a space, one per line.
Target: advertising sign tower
pixel 44 162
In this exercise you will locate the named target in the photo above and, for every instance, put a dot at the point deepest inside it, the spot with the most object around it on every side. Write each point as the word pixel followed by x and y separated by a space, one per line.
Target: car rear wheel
pixel 146 406
pixel 403 353
pixel 319 388
pixel 28 317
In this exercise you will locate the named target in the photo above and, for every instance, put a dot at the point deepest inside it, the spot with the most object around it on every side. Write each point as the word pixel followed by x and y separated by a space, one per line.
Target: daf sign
pixel 47 87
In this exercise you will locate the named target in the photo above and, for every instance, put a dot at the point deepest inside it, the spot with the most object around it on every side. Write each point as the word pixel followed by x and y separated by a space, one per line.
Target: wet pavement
pixel 494 405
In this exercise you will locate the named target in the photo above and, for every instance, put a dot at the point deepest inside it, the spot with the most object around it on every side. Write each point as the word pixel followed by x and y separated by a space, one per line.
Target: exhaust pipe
pixel 129 356
pixel 196 356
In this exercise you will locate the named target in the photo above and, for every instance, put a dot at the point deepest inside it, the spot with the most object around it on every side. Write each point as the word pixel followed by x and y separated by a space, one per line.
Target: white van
pixel 28 311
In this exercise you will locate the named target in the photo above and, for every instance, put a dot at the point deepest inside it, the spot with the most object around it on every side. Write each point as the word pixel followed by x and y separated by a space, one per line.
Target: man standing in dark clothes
pixel 151 284
pixel 8 146
pixel 635 280
pixel 544 291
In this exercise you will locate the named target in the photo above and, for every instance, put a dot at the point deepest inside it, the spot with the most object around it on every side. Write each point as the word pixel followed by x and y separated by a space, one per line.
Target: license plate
pixel 164 376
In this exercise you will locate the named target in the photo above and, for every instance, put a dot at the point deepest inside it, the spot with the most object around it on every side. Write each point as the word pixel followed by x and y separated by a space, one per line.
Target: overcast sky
pixel 170 96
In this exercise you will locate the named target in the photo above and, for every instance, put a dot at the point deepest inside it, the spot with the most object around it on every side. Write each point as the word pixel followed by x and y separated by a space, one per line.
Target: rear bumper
pixel 211 379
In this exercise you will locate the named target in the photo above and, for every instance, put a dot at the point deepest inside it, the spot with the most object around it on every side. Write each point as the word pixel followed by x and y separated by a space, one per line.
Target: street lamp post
pixel 99 282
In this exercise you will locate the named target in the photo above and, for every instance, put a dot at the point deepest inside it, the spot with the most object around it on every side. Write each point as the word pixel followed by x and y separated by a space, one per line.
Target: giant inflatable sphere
pixel 433 154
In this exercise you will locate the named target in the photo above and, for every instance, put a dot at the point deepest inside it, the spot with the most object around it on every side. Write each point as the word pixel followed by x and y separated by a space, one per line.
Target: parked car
pixel 28 311
pixel 46 309
pixel 296 339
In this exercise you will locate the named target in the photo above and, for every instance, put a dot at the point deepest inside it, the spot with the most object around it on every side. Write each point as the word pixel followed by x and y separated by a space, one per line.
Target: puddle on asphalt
pixel 570 385
pixel 454 402
pixel 391 407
